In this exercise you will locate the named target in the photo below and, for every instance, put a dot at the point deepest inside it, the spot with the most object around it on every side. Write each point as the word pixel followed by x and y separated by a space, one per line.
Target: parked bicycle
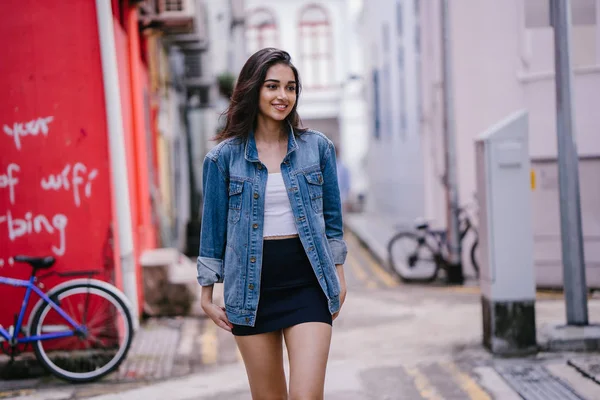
pixel 418 255
pixel 81 329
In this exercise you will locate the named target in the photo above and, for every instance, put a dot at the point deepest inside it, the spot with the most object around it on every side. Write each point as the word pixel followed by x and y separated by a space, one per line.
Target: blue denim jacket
pixel 232 221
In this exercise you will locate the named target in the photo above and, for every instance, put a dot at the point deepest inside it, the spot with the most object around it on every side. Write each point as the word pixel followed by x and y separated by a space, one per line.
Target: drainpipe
pixel 118 162
pixel 455 270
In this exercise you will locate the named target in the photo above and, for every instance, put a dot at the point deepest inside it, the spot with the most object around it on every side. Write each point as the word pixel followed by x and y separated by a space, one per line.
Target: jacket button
pixel 256 195
pixel 311 248
pixel 252 259
pixel 255 226
pixel 247 320
pixel 251 286
pixel 259 166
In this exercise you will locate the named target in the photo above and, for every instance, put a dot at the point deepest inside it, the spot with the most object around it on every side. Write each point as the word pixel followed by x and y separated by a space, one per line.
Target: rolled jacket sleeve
pixel 339 250
pixel 214 224
pixel 332 207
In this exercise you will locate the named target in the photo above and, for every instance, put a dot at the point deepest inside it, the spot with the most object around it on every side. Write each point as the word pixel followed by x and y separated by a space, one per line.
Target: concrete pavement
pixel 392 341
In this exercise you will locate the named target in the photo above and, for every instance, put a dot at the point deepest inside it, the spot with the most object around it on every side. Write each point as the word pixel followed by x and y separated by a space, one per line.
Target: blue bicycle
pixel 80 330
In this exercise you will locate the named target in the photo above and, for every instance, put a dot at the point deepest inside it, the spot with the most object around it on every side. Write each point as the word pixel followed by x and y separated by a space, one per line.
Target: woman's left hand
pixel 342 279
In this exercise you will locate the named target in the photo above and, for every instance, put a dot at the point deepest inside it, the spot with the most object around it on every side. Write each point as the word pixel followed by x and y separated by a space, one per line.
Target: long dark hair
pixel 243 108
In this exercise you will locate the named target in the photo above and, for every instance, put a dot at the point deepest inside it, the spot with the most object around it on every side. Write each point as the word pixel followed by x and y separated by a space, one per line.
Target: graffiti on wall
pixel 76 178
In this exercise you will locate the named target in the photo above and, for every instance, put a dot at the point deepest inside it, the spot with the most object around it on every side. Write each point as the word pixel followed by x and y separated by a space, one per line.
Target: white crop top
pixel 279 218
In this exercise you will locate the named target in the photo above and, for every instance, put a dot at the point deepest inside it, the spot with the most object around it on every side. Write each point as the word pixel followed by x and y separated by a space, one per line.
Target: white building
pixel 502 61
pixel 323 43
pixel 223 52
pixel 394 164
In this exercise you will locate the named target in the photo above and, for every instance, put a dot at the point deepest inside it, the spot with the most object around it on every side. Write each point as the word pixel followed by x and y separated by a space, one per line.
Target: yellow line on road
pixel 540 294
pixel 209 343
pixel 423 385
pixel 382 274
pixel 466 383
pixel 16 393
pixel 360 272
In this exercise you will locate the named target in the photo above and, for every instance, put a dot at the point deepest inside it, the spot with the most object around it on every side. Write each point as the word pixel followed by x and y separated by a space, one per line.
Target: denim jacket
pixel 231 242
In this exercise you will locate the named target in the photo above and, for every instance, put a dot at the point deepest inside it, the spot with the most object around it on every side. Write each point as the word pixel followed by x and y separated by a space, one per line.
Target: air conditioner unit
pixel 177 15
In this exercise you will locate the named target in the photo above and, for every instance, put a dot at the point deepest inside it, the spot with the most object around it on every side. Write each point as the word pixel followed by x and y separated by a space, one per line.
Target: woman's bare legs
pixel 263 358
pixel 308 349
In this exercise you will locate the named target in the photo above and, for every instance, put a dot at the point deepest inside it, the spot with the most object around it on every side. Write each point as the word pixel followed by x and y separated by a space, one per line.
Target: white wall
pixel 498 67
pixel 341 103
pixel 314 103
pixel 394 160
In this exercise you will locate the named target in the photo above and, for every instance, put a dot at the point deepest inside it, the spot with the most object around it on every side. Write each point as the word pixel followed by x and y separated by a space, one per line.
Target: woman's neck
pixel 269 131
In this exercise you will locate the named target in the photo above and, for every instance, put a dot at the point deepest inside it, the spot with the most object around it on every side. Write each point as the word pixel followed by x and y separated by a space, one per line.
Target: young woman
pixel 272 232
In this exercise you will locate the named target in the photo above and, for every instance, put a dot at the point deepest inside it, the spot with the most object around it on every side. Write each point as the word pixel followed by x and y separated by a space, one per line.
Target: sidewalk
pixel 390 342
pixel 162 348
pixel 406 342
pixel 375 230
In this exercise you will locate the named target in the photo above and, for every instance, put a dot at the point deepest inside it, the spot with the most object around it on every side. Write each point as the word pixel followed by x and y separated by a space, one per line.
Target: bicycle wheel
pixel 474 257
pixel 411 258
pixel 96 350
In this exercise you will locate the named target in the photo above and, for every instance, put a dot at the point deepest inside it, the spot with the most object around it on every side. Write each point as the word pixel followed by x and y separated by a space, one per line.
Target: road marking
pixel 466 383
pixel 423 385
pixel 540 294
pixel 384 276
pixel 209 343
pixel 360 272
pixel 16 393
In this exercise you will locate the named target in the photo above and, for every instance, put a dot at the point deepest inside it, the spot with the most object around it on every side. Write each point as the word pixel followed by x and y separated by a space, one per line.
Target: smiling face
pixel 278 93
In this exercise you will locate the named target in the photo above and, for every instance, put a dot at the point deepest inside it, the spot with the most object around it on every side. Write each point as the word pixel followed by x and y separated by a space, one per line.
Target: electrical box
pixel 506 237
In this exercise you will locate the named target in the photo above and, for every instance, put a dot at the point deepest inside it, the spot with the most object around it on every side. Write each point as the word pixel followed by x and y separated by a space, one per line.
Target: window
pixel 402 92
pixel 417 38
pixel 538 13
pixel 315 46
pixel 399 24
pixel 376 120
pixel 386 91
pixel 385 37
pixel 261 30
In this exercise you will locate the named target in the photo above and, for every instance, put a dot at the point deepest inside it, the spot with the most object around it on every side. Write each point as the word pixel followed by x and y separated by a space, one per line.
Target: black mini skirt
pixel 289 291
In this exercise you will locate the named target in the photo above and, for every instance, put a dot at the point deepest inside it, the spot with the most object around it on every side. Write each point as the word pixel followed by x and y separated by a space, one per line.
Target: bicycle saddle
pixel 36 262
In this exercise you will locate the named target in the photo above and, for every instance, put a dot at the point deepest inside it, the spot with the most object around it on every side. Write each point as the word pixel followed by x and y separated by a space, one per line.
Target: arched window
pixel 316 58
pixel 261 30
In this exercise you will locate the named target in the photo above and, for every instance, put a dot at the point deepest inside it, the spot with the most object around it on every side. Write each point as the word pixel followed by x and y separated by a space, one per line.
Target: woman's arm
pixel 332 207
pixel 213 239
pixel 214 223
pixel 340 272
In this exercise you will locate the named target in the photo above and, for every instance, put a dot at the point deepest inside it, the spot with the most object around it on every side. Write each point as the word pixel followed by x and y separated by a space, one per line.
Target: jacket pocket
pixel 315 190
pixel 236 189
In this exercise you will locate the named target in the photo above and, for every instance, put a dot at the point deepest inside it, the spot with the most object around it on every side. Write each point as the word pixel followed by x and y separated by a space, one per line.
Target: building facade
pixel 395 168
pixel 322 39
pixel 94 146
pixel 502 61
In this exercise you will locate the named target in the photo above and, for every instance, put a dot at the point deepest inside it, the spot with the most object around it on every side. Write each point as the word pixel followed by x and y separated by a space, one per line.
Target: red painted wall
pixel 55 188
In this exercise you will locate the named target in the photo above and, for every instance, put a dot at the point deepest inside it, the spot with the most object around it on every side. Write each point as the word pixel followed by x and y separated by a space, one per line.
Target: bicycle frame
pixel 30 286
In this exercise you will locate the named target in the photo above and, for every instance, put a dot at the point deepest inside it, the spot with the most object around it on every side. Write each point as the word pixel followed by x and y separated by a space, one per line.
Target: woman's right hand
pixel 218 315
